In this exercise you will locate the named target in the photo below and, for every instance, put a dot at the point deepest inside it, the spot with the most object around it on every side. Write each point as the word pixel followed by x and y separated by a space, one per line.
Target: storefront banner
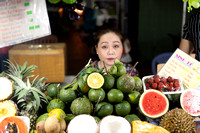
pixel 22 20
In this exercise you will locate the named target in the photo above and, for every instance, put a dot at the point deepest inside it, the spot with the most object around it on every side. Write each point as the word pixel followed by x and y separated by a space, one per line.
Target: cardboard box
pixel 50 59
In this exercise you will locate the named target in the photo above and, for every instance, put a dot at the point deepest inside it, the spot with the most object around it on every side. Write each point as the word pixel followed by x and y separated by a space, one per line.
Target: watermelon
pixel 153 103
pixel 190 101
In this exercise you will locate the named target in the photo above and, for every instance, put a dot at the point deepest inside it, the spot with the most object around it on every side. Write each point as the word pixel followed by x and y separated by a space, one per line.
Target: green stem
pixel 133 67
pixel 58 91
pixel 105 67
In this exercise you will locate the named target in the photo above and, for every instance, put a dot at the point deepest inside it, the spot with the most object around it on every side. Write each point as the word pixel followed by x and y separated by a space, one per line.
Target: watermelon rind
pixel 161 95
pixel 194 104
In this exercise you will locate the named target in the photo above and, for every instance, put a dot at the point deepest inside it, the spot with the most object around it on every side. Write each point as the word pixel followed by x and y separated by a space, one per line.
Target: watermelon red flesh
pixel 154 103
pixel 191 102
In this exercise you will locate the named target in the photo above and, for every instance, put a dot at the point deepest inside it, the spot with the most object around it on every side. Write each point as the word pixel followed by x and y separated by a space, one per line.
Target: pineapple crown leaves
pixel 22 72
pixel 24 90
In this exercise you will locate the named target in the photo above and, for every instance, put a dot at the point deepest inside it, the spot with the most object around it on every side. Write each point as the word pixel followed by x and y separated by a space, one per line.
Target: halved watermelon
pixel 153 103
pixel 190 101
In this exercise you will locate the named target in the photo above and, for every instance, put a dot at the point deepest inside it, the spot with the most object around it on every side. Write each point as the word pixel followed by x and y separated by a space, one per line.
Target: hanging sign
pixel 22 20
pixel 184 66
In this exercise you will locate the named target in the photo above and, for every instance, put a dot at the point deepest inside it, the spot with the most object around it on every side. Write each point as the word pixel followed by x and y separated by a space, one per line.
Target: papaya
pixel 11 124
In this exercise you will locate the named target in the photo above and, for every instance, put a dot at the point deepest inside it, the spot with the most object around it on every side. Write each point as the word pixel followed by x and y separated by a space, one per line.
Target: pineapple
pixel 22 72
pixel 29 97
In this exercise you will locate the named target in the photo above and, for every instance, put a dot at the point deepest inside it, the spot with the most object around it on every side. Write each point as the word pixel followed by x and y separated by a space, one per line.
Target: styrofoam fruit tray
pixel 166 76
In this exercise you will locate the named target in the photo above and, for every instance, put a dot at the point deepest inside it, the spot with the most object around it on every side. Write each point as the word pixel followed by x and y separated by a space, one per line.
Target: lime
pixel 54 1
pixel 69 1
pixel 81 105
pixel 95 80
pixel 55 103
pixel 33 131
pixel 104 109
pixel 69 117
pixel 134 97
pixel 121 70
pixel 138 83
pixel 113 70
pixel 97 119
pixel 52 90
pixel 131 117
pixel 126 83
pixel 96 95
pixel 42 117
pixel 91 70
pixel 123 108
pixel 115 96
pixel 117 62
pixel 109 82
pixel 58 113
pixel 82 83
pixel 67 95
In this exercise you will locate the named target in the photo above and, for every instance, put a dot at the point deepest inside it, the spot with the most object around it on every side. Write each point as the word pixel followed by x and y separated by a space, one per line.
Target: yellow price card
pixel 185 67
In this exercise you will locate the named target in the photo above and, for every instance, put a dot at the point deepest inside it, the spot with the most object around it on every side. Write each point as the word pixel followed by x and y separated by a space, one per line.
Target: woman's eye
pixel 116 46
pixel 104 47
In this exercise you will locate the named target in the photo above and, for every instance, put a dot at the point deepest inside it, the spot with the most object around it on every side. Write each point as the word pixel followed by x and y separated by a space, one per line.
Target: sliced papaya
pixel 13 124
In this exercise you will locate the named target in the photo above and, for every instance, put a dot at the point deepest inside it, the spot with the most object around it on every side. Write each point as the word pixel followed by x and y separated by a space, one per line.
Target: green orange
pixel 67 95
pixel 126 83
pixel 134 97
pixel 55 103
pixel 104 109
pixel 115 96
pixel 42 117
pixel 96 95
pixel 123 108
pixel 109 82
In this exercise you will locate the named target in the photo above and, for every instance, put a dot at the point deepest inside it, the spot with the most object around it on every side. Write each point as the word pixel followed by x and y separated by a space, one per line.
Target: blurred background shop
pixel 152 27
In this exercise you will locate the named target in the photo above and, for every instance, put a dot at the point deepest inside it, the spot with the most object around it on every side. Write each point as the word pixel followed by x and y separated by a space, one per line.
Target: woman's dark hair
pixel 107 30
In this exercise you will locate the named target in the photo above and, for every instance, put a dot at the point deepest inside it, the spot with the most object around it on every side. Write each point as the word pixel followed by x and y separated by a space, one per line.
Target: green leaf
pixel 22 94
pixel 30 69
pixel 24 66
pixel 18 81
pixel 37 98
pixel 38 91
pixel 20 101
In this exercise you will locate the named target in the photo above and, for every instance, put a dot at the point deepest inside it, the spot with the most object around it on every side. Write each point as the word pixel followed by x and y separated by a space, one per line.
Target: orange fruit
pixel 121 70
pixel 96 95
pixel 104 109
pixel 109 82
pixel 58 113
pixel 82 83
pixel 134 97
pixel 55 103
pixel 52 90
pixel 115 96
pixel 95 80
pixel 67 95
pixel 126 83
pixel 42 117
pixel 123 108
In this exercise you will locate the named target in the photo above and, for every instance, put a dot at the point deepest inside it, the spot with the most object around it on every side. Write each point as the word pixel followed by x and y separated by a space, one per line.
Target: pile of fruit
pixel 108 100
pixel 98 93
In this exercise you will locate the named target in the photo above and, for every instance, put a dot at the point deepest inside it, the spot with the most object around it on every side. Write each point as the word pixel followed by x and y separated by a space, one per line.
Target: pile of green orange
pixel 99 93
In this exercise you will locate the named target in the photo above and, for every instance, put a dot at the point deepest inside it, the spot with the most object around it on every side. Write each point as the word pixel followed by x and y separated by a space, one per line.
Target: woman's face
pixel 109 48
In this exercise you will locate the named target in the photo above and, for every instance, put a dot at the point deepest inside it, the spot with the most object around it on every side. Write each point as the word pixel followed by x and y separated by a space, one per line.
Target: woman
pixel 109 46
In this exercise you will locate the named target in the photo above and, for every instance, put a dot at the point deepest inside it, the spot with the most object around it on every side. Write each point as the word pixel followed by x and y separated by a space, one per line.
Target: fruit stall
pixel 96 101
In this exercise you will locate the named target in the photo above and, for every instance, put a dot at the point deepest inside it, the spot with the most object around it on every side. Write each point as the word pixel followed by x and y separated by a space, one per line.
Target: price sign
pixel 22 20
pixel 184 66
